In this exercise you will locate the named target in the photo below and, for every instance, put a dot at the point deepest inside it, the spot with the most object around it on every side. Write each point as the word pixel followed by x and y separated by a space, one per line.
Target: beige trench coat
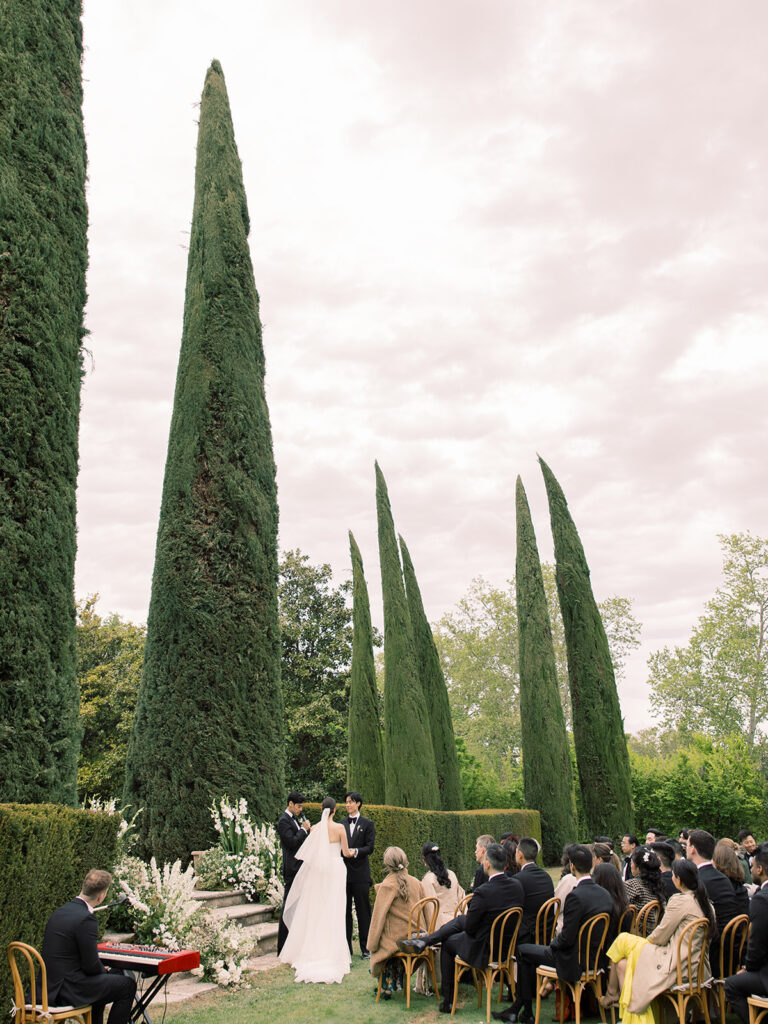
pixel 390 919
pixel 448 898
pixel 656 968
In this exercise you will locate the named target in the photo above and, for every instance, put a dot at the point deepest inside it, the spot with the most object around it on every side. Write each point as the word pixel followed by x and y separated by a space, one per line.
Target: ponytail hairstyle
pixel 688 874
pixel 430 854
pixel 396 863
pixel 649 872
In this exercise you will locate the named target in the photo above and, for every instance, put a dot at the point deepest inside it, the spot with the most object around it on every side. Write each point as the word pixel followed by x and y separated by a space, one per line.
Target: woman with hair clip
pixel 395 896
pixel 442 883
pixel 646 883
pixel 643 968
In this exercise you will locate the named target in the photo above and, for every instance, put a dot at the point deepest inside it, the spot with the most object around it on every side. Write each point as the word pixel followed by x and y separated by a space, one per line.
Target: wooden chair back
pixel 24 1013
pixel 695 981
pixel 590 950
pixel 627 919
pixel 546 921
pixel 732 943
pixel 504 935
pixel 461 906
pixel 650 909
pixel 424 911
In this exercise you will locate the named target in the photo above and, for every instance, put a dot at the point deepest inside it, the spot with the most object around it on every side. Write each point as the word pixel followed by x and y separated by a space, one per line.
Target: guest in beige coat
pixel 395 896
pixel 644 968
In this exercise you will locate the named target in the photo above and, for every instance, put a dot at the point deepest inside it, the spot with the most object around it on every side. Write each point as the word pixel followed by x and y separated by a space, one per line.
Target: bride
pixel 315 909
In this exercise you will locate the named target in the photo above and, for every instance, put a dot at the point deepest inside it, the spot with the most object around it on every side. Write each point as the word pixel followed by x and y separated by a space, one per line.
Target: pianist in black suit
pixel 76 976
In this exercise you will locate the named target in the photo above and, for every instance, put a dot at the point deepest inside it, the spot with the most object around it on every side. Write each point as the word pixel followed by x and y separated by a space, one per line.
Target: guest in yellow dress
pixel 643 968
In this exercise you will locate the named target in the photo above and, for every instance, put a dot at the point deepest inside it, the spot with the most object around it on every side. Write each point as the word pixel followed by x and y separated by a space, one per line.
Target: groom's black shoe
pixel 411 945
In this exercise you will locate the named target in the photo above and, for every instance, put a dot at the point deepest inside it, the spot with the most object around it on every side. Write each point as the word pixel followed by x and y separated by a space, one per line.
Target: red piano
pixel 149 961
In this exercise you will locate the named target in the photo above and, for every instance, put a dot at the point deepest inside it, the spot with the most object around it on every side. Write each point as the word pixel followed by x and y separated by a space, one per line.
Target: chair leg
pixel 456 976
pixel 576 991
pixel 408 970
pixel 597 988
pixel 378 991
pixel 433 972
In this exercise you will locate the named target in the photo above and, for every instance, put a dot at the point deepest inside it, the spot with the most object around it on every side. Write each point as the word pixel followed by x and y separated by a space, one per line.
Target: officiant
pixel 292 827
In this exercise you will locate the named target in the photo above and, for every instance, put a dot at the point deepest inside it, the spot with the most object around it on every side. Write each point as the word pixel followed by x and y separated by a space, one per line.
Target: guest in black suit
pixel 584 901
pixel 481 844
pixel 722 896
pixel 537 886
pixel 76 976
pixel 361 836
pixel 292 827
pixel 666 855
pixel 628 847
pixel 469 935
pixel 753 980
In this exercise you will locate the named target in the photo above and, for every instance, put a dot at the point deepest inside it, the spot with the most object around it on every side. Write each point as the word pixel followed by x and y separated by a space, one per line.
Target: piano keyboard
pixel 149 960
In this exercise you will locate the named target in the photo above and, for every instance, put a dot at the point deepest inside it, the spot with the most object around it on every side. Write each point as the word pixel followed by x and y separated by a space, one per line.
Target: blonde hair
pixel 724 859
pixel 396 863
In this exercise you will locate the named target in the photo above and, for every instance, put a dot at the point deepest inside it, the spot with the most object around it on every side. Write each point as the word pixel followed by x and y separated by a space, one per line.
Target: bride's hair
pixel 396 863
pixel 328 804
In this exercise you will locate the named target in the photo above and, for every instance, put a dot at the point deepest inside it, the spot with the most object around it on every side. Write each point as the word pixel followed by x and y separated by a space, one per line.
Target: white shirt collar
pixel 90 908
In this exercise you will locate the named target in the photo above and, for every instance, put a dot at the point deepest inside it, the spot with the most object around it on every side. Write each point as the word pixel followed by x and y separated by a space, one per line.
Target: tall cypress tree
pixel 430 673
pixel 547 777
pixel 209 713
pixel 43 258
pixel 409 762
pixel 365 764
pixel 598 729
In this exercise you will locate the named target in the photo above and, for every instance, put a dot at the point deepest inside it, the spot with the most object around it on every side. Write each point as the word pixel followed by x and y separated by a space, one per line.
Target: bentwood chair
pixel 732 943
pixel 592 936
pixel 758 1007
pixel 500 961
pixel 546 921
pixel 627 919
pixel 648 916
pixel 461 906
pixel 690 977
pixel 423 917
pixel 23 1012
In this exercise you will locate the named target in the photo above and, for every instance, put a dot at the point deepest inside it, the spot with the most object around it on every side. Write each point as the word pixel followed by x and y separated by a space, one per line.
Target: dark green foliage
pixel 43 258
pixel 435 693
pixel 365 764
pixel 409 762
pixel 316 634
pixel 454 832
pixel 480 788
pixel 598 729
pixel 46 850
pixel 209 718
pixel 546 757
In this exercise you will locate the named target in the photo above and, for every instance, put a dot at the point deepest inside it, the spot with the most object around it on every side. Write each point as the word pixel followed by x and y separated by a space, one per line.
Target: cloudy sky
pixel 480 230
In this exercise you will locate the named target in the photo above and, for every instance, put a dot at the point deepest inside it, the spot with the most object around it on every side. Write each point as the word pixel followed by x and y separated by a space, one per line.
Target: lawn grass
pixel 275 997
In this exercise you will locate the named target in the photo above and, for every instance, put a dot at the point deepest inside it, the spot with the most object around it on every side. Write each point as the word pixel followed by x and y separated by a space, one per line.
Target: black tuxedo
pixel 669 885
pixel 727 902
pixel 359 877
pixel 538 888
pixel 583 901
pixel 76 976
pixel 292 835
pixel 469 935
pixel 754 980
pixel 480 878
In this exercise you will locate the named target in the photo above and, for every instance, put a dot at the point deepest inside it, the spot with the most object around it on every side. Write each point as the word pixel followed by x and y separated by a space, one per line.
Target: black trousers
pixel 529 957
pixel 282 931
pixel 98 990
pixel 739 986
pixel 359 893
pixel 449 939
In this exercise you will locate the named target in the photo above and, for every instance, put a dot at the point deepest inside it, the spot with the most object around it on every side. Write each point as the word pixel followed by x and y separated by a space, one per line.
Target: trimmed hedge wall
pixel 46 850
pixel 454 832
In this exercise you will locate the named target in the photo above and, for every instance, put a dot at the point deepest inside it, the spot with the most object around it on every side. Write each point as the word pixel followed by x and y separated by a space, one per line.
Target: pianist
pixel 76 976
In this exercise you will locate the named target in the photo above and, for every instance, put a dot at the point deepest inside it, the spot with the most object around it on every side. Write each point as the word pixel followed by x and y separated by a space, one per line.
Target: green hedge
pixel 454 832
pixel 46 850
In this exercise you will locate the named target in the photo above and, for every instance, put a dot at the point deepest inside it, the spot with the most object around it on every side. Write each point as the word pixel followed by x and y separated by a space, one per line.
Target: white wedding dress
pixel 315 910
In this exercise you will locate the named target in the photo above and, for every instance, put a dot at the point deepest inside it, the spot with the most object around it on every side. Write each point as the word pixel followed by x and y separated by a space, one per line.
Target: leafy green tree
pixel 43 259
pixel 546 754
pixel 598 729
pixel 718 682
pixel 316 631
pixel 209 719
pixel 435 692
pixel 409 761
pixel 110 653
pixel 365 769
pixel 481 789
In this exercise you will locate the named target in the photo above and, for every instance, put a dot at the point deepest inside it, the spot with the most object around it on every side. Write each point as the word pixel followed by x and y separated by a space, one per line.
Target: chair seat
pixel 759 1000
pixel 551 972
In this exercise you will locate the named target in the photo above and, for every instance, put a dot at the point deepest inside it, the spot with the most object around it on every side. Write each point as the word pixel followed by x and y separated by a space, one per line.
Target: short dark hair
pixel 760 856
pixel 496 855
pixel 630 837
pixel 529 848
pixel 354 795
pixel 704 842
pixel 654 831
pixel 580 857
pixel 665 852
pixel 744 833
pixel 295 797
pixel 604 839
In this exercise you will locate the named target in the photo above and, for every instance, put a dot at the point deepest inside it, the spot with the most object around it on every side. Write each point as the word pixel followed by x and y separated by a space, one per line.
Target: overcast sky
pixel 479 230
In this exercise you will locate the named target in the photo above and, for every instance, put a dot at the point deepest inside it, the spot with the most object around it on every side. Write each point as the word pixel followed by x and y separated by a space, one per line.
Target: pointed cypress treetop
pixel 365 764
pixel 598 729
pixel 209 718
pixel 411 780
pixel 435 692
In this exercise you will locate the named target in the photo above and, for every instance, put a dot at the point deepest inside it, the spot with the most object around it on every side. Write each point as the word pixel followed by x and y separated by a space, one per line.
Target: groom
pixel 292 827
pixel 361 835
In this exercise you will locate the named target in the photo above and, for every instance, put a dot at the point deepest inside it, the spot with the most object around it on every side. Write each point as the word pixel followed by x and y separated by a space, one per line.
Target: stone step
pixel 245 914
pixel 224 898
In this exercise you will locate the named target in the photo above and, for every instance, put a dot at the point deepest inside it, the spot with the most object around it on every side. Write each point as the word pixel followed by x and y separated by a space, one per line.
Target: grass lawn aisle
pixel 274 996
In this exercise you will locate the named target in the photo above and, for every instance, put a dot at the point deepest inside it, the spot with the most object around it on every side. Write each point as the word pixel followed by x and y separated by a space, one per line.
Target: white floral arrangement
pixel 252 854
pixel 223 951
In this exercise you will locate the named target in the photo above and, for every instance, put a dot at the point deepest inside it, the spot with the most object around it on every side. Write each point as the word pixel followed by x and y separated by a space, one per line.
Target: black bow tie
pixel 352 821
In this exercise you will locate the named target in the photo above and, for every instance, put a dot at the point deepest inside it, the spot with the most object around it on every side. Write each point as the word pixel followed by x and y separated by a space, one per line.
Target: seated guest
pixel 747 841
pixel 645 884
pixel 753 980
pixel 653 835
pixel 566 884
pixel 742 858
pixel 609 878
pixel 510 848
pixel 75 974
pixel 724 859
pixel 643 968
pixel 603 852
pixel 584 901
pixel 722 896
pixel 683 840
pixel 628 847
pixel 439 881
pixel 395 896
pixel 481 844
pixel 537 886
pixel 666 854
pixel 469 935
